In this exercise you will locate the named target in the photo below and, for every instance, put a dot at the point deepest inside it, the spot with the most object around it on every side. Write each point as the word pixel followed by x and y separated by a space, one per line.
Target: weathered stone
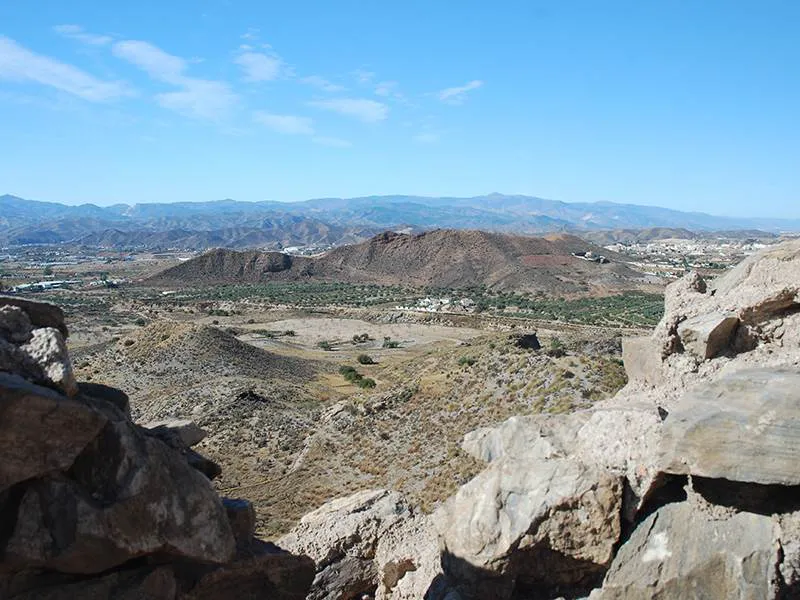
pixel 15 325
pixel 273 576
pixel 642 360
pixel 242 518
pixel 353 539
pixel 48 350
pixel 742 427
pixel 41 314
pixel 708 335
pixel 539 436
pixel 188 432
pixel 680 552
pixel 530 523
pixel 41 431
pixel 106 393
pixel 127 495
pixel 204 465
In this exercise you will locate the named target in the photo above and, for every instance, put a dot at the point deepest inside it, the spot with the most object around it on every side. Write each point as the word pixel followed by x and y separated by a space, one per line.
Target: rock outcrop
pixel 94 506
pixel 370 544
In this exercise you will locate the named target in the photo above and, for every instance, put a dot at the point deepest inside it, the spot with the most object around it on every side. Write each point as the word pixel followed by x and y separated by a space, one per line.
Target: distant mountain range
pixel 325 221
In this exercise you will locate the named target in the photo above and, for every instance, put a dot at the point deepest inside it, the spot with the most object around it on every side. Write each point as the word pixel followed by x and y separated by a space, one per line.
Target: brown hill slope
pixel 441 258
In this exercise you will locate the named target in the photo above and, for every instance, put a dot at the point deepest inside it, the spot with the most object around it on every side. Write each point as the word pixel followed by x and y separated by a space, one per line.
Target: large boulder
pixel 126 495
pixel 530 524
pixel 370 543
pixel 743 427
pixel 681 551
pixel 41 431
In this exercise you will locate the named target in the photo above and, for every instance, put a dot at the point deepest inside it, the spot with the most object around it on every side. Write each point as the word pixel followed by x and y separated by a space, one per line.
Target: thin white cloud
pixel 198 98
pixel 368 111
pixel 288 124
pixel 322 83
pixel 332 141
pixel 455 95
pixel 363 76
pixel 77 33
pixel 259 67
pixel 251 34
pixel 17 63
pixel 427 138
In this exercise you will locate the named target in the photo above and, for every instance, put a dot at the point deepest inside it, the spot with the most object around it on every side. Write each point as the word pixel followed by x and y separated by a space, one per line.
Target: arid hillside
pixel 441 258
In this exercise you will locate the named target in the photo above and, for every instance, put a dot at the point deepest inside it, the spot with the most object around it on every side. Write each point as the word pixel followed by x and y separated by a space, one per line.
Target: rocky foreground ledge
pixel 94 506
pixel 685 485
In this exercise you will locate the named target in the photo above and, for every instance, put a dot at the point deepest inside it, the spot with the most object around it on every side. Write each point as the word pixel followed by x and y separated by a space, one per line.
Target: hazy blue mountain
pixel 310 221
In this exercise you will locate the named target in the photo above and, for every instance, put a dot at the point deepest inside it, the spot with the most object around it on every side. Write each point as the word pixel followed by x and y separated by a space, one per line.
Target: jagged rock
pixel 708 335
pixel 41 314
pixel 679 296
pixel 354 540
pixel 48 349
pixel 127 495
pixel 642 360
pixel 242 518
pixel 107 394
pixel 188 432
pixel 681 552
pixel 41 431
pixel 15 325
pixel 523 524
pixel 540 436
pixel 742 427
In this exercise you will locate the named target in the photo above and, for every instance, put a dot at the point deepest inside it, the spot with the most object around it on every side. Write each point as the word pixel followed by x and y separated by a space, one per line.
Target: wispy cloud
pixel 17 63
pixel 76 32
pixel 332 141
pixel 368 111
pixel 198 98
pixel 456 95
pixel 427 138
pixel 288 124
pixel 322 83
pixel 363 76
pixel 258 66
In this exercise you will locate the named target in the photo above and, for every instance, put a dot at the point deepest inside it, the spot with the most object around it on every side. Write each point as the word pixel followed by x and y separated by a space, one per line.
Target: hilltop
pixel 441 258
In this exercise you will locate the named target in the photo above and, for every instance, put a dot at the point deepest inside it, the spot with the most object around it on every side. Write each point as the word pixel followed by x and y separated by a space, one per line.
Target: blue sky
pixel 685 104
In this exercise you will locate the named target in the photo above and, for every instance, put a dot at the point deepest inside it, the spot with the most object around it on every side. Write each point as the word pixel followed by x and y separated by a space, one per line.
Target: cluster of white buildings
pixel 434 305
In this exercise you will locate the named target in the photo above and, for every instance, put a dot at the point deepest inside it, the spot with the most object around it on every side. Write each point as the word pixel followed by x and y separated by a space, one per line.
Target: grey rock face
pixel 708 335
pixel 680 552
pixel 549 524
pixel 369 543
pixel 127 495
pixel 48 350
pixel 41 431
pixel 742 427
pixel 40 314
pixel 187 432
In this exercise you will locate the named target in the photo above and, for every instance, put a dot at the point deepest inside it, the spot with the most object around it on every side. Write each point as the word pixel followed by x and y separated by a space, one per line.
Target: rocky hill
pixel 441 258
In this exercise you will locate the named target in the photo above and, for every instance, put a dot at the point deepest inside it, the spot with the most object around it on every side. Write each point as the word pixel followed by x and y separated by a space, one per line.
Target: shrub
pixel 140 322
pixel 325 345
pixel 556 348
pixel 390 343
pixel 365 359
pixel 289 333
pixel 360 338
pixel 366 383
pixel 466 360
